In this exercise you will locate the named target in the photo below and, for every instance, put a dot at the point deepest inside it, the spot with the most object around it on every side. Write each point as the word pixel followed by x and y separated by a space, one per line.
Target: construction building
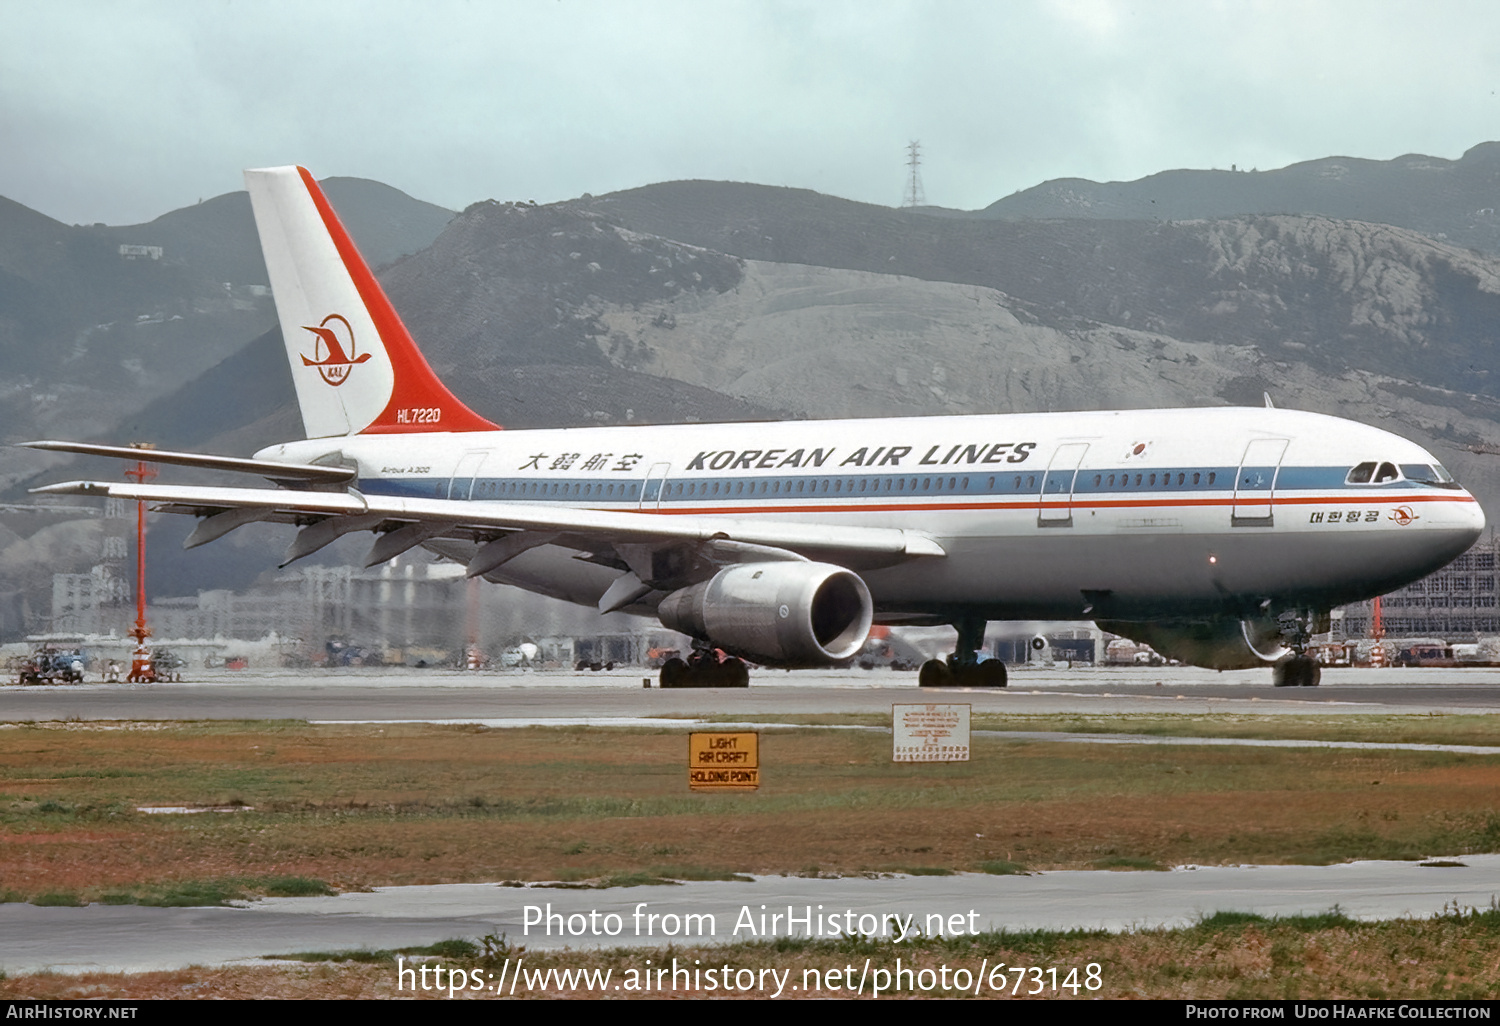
pixel 1458 603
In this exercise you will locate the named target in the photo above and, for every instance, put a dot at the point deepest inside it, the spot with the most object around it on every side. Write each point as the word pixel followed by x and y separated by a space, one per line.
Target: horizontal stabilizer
pixel 234 464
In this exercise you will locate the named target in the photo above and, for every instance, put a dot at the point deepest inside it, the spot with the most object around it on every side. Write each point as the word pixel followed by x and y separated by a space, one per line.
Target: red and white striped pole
pixel 142 669
pixel 1377 631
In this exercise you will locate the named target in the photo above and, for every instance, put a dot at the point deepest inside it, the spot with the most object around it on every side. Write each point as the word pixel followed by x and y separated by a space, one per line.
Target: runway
pixel 389 695
pixel 135 938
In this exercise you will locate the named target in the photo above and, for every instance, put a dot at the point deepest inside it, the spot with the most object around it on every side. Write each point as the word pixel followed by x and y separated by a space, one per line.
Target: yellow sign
pixel 724 762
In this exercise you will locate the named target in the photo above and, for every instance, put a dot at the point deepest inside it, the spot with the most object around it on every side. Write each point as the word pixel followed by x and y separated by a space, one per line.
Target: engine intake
pixel 784 614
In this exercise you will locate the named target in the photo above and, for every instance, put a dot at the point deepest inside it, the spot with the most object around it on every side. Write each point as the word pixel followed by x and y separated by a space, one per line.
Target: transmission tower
pixel 915 197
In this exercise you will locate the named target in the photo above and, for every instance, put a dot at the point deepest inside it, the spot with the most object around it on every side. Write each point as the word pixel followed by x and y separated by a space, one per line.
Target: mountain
pixel 1336 294
pixel 217 237
pixel 1451 200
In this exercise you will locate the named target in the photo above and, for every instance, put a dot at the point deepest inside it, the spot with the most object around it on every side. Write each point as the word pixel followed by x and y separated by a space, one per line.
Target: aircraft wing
pixel 410 522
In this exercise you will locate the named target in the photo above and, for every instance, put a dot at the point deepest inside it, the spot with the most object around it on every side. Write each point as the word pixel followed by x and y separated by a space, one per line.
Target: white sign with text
pixel 930 733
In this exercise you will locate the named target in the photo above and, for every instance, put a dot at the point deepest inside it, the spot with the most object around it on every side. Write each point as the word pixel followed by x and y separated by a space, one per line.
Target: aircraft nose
pixel 1462 522
pixel 1476 517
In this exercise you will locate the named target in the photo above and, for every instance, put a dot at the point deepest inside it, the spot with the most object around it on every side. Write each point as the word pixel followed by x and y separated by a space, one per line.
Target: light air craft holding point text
pixel 1222 536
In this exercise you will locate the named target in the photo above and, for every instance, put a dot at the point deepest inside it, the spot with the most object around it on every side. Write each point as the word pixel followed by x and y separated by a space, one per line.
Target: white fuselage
pixel 1133 515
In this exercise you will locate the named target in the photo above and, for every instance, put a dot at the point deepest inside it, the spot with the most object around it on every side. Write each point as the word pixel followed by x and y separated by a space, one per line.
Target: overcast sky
pixel 118 111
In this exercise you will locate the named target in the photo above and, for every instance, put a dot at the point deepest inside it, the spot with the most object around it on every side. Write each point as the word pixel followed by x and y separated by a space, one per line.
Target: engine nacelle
pixel 1216 644
pixel 785 614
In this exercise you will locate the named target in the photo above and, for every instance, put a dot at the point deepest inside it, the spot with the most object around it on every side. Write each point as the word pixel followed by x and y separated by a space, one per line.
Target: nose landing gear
pixel 1297 670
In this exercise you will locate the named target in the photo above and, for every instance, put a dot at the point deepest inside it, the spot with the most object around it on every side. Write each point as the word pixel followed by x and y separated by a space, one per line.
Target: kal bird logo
pixel 1403 515
pixel 335 355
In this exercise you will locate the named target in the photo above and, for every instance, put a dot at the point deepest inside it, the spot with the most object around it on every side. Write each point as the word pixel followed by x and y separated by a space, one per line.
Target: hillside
pixel 1451 200
pixel 1339 295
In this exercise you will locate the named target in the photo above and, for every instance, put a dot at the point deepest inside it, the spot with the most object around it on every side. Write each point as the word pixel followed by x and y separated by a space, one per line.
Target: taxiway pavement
pixel 390 695
pixel 134 939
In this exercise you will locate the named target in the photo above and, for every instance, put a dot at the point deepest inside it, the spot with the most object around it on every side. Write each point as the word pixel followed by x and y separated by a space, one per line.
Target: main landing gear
pixel 1298 670
pixel 964 668
pixel 705 668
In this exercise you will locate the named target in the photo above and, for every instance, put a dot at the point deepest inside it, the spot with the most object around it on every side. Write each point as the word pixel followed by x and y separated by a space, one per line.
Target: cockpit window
pixel 1361 474
pixel 1387 472
pixel 1427 473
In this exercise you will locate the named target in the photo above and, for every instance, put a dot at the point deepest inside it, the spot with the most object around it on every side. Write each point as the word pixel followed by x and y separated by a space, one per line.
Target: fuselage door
pixel 1255 485
pixel 652 487
pixel 462 485
pixel 1055 504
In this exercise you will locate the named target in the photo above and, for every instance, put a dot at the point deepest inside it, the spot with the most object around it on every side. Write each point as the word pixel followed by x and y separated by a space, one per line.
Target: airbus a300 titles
pixel 1221 536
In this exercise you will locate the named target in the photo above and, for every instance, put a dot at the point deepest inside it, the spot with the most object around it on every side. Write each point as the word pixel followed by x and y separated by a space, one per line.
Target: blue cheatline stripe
pixel 698 489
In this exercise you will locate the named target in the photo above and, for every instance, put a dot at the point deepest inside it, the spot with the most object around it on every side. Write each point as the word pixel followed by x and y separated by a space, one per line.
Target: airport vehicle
pixel 48 665
pixel 1219 537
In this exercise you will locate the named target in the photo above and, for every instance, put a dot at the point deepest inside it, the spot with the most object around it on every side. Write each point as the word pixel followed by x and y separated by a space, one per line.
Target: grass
pixel 340 807
pixel 1418 728
pixel 454 949
pixel 1003 867
pixel 190 893
pixel 1127 862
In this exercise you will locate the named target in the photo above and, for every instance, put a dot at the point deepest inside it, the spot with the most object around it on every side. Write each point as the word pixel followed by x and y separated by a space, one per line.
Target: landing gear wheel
pixel 674 673
pixel 1296 671
pixel 934 674
pixel 705 672
pixel 990 674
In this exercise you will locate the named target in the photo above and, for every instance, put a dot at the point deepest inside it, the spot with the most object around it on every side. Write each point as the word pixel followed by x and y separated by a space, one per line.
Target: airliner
pixel 1222 537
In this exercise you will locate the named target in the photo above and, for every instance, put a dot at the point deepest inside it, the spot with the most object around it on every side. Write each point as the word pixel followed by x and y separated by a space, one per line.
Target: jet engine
pixel 1215 644
pixel 784 614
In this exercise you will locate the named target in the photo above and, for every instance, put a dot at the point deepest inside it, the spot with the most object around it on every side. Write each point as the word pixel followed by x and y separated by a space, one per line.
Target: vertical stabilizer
pixel 355 366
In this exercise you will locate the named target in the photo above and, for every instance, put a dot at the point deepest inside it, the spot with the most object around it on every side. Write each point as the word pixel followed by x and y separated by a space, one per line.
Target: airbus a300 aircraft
pixel 1220 536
